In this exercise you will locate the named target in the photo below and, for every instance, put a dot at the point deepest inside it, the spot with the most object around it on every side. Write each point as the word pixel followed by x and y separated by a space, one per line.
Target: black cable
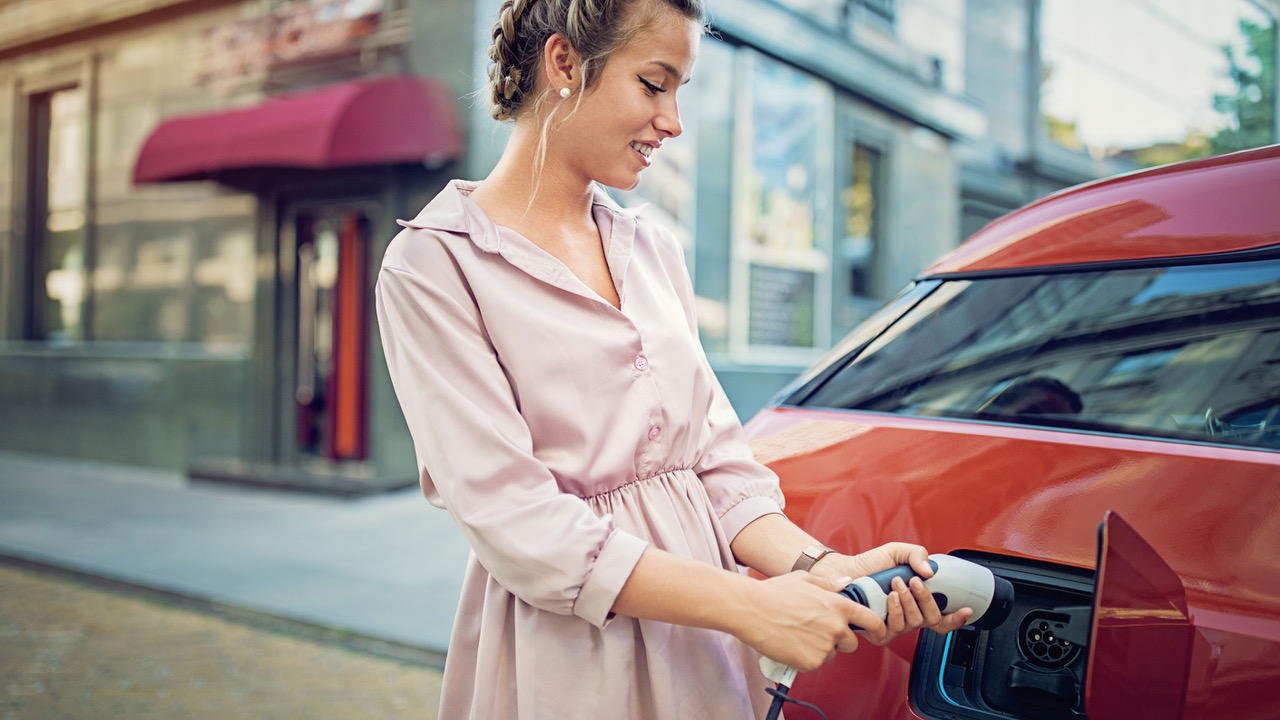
pixel 780 698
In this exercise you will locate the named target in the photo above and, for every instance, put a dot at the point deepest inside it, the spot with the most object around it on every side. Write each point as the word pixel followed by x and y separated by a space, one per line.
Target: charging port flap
pixel 1141 636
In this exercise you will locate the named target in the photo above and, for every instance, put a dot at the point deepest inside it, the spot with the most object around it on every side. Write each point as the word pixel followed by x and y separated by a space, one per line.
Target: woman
pixel 543 347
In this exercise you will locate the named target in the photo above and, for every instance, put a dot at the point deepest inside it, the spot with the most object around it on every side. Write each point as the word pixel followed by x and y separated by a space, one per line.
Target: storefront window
pixel 183 282
pixel 713 82
pixel 56 205
pixel 860 278
pixel 1157 82
pixel 781 259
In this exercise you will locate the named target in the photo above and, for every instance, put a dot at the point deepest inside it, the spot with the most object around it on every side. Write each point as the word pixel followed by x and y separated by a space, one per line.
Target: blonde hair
pixel 594 28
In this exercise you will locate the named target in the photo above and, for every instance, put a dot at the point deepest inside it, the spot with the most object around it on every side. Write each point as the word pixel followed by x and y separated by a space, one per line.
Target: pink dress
pixel 564 437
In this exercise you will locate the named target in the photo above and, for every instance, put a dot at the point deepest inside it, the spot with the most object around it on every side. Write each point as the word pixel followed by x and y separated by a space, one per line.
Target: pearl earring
pixel 564 93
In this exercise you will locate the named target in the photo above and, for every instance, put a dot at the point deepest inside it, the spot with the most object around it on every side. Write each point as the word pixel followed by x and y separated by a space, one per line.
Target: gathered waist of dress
pixel 665 476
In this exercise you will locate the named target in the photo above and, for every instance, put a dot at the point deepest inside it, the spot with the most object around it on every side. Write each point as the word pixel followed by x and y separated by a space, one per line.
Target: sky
pixel 1131 73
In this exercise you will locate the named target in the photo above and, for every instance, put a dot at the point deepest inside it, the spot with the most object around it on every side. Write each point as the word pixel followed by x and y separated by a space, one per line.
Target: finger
pixel 840 583
pixel 916 603
pixel 924 604
pixel 876 633
pixel 953 621
pixel 864 620
pixel 896 620
pixel 848 642
pixel 918 558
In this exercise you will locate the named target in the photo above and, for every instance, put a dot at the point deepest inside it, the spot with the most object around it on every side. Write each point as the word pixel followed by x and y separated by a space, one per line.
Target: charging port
pixel 1031 666
pixel 1042 638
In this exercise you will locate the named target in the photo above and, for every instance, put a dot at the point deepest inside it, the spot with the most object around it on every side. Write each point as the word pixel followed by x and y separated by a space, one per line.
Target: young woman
pixel 543 346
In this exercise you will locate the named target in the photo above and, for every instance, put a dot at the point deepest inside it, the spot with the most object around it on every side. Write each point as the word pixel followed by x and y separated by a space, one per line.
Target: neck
pixel 556 197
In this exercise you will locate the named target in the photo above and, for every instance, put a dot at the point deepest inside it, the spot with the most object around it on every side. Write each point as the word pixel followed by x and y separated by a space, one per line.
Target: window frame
pixel 743 204
pixel 802 393
pixel 854 131
pixel 28 199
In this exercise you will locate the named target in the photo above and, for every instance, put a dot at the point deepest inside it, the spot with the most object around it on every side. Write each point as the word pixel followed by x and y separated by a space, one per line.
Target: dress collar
pixel 453 211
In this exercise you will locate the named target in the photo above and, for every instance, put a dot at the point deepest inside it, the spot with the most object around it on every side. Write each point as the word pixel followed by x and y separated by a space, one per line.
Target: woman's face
pixel 631 109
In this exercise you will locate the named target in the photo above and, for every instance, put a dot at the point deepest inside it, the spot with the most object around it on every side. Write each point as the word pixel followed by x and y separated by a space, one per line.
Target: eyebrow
pixel 670 70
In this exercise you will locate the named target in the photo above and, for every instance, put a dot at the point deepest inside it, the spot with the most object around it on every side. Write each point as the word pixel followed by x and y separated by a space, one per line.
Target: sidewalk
pixel 73 650
pixel 386 567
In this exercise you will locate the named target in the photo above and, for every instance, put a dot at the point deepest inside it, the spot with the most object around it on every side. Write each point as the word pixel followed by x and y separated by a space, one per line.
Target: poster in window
pixel 780 258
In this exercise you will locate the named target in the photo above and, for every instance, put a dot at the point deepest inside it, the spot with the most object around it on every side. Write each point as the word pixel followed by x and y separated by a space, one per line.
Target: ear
pixel 560 63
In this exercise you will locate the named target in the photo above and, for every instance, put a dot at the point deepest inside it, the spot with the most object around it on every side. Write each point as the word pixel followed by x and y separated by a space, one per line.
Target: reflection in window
pixel 883 12
pixel 190 281
pixel 57 176
pixel 1093 351
pixel 778 248
pixel 1137 368
pixel 860 255
pixel 1156 82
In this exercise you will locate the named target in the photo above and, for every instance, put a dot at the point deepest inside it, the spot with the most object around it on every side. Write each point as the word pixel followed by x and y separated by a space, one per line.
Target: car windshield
pixel 1187 352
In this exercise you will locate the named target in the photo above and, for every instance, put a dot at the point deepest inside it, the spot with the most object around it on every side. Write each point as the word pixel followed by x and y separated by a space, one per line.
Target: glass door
pixel 331 368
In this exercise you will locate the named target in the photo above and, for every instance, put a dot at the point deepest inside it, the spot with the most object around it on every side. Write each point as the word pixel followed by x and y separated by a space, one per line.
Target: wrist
pixel 810 556
pixel 741 609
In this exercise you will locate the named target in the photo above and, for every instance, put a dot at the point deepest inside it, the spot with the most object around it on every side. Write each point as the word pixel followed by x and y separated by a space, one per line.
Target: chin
pixel 624 183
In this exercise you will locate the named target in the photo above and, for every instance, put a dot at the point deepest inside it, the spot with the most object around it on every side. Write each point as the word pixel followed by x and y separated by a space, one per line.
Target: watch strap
pixel 810 557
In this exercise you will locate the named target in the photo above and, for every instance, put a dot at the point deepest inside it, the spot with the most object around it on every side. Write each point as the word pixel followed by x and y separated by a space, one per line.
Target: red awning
pixel 363 122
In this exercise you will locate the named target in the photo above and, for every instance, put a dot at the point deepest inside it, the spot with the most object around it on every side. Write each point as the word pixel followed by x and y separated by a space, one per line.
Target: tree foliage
pixel 1251 105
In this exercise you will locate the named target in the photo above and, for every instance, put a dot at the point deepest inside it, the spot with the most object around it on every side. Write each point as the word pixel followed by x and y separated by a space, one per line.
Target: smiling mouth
pixel 645 150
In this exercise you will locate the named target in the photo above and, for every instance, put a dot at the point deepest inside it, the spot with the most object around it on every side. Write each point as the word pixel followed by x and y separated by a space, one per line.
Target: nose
pixel 668 120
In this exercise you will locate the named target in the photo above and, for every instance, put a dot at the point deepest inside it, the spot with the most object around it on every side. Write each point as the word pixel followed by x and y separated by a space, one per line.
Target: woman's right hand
pixel 801 620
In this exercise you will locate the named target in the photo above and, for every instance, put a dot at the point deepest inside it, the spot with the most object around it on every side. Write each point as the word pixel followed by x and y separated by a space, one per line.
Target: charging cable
pixel 783 676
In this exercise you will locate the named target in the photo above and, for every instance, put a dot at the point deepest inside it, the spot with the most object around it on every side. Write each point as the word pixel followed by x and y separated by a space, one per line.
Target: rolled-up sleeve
pixel 474 450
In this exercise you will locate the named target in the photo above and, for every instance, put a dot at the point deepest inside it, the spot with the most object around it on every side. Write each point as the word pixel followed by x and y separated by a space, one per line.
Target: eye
pixel 650 87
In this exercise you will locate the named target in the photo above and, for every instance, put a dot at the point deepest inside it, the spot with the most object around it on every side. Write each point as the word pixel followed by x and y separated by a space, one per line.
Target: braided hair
pixel 595 29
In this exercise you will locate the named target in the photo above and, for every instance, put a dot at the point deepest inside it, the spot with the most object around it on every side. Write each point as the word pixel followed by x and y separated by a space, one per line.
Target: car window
pixel 1187 352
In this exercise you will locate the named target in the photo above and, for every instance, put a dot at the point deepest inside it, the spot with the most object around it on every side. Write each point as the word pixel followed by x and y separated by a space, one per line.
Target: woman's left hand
pixel 911 605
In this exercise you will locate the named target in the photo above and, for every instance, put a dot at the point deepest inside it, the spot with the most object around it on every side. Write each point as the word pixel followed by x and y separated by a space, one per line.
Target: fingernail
pixel 842 582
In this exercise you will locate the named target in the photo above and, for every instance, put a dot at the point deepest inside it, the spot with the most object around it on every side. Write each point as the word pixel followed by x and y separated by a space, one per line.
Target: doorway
pixel 328 406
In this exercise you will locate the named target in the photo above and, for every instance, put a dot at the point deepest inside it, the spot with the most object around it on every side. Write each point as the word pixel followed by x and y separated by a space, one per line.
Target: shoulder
pixel 433 238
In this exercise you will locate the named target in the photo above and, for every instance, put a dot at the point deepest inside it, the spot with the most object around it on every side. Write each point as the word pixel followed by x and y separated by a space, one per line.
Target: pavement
pixel 379 574
pixel 70 649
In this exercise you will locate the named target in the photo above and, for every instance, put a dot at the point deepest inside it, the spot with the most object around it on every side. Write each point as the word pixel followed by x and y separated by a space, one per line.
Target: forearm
pixel 770 544
pixel 796 619
pixel 677 590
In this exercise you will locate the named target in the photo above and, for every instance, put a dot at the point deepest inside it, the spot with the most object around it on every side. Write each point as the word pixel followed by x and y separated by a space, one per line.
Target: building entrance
pixel 329 407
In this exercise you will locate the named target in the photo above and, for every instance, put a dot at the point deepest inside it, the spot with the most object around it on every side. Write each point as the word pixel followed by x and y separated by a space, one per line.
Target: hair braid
pixel 506 75
pixel 595 29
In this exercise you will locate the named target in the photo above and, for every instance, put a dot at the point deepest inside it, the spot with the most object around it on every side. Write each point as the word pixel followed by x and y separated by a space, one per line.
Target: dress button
pixel 654 432
pixel 642 362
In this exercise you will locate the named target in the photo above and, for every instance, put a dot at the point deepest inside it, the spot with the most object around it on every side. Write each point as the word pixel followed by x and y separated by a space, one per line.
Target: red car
pixel 1084 398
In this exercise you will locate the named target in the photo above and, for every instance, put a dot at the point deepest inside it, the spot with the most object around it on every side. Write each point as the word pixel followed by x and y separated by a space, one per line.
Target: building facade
pixel 198 192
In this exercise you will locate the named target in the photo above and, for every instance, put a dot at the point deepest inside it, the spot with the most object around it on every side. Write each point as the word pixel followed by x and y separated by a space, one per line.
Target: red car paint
pixel 856 479
pixel 1219 204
